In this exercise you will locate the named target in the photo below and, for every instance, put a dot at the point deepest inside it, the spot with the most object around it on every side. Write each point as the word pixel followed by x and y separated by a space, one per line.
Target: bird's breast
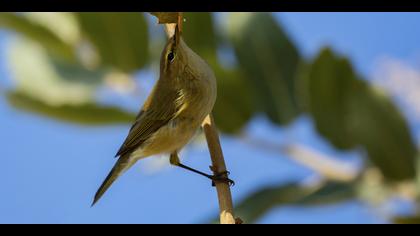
pixel 196 98
pixel 171 137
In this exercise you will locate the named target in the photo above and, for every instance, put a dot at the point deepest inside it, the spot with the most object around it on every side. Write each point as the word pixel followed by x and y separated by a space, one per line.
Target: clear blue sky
pixel 50 171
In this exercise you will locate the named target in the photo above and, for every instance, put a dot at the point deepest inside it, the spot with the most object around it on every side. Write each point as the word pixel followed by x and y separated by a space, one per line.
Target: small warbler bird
pixel 182 97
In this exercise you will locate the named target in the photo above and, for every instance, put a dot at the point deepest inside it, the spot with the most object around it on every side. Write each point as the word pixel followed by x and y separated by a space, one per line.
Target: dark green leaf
pixel 259 203
pixel 407 219
pixel 333 192
pixel 349 113
pixel 269 61
pixel 198 32
pixel 377 124
pixel 87 114
pixel 235 101
pixel 302 86
pixel 329 84
pixel 235 98
pixel 120 38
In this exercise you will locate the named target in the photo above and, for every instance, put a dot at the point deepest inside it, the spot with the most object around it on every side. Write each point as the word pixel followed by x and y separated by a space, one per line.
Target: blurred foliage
pixel 235 104
pixel 50 79
pixel 349 113
pixel 269 61
pixel 38 32
pixel 86 114
pixel 120 38
pixel 232 110
pixel 199 34
pixel 255 205
pixel 60 60
pixel 407 220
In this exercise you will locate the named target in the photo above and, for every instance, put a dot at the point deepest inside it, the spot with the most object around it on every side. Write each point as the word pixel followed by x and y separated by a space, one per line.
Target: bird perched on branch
pixel 182 97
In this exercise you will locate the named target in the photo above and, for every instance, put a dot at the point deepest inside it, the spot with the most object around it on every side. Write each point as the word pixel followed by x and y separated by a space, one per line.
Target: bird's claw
pixel 222 177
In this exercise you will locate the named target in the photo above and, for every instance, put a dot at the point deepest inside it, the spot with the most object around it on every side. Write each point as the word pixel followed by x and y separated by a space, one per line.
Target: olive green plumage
pixel 182 97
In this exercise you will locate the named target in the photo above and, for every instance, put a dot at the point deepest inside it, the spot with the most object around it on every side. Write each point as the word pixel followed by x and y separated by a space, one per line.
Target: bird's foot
pixel 221 177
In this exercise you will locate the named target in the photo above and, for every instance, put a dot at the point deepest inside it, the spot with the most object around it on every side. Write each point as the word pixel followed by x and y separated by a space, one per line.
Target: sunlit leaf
pixel 85 114
pixel 269 61
pixel 62 24
pixel 120 38
pixel 39 33
pixel 49 79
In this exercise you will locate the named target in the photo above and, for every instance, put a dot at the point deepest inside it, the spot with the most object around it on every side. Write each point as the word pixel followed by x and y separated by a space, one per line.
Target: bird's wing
pixel 150 119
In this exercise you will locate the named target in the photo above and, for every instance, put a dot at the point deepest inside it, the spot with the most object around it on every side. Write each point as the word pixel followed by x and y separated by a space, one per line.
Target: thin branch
pixel 218 163
pixel 321 163
pixel 219 166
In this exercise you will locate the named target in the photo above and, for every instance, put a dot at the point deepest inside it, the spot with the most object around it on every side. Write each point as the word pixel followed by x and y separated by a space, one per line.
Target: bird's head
pixel 173 58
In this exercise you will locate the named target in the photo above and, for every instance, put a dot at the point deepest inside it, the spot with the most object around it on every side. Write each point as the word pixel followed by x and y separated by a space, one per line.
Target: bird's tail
pixel 119 168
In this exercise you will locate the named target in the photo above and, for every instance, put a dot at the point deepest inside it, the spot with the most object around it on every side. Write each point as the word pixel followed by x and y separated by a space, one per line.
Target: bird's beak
pixel 177 36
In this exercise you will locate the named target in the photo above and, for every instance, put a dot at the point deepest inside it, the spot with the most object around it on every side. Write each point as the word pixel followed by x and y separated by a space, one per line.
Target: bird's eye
pixel 171 56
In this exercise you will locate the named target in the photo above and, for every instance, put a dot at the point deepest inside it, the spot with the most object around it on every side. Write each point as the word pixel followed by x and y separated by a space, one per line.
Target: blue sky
pixel 364 37
pixel 51 170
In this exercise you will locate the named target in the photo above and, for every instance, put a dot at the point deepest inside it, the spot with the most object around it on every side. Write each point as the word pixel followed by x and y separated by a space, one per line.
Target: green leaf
pixel 39 33
pixel 302 86
pixel 407 219
pixel 329 82
pixel 235 98
pixel 121 39
pixel 378 125
pixel 235 104
pixel 269 61
pixel 84 114
pixel 350 113
pixel 198 32
pixel 257 204
pixel 330 193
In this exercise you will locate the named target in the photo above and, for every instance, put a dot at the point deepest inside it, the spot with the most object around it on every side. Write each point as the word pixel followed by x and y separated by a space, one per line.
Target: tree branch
pixel 319 162
pixel 219 166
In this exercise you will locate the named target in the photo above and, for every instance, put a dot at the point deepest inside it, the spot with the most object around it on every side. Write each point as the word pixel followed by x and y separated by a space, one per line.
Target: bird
pixel 182 97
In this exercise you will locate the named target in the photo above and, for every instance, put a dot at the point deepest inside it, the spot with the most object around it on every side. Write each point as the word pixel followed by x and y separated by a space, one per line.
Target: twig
pixel 218 163
pixel 219 166
pixel 321 163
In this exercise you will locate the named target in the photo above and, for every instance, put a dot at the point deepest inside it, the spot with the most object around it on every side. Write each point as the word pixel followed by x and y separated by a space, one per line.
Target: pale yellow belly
pixel 171 137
